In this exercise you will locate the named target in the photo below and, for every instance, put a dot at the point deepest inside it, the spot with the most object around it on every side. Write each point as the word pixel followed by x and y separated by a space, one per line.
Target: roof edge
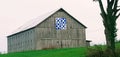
pixel 73 17
pixel 46 18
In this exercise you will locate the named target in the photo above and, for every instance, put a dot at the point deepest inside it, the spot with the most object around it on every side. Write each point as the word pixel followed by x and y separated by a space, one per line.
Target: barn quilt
pixel 61 23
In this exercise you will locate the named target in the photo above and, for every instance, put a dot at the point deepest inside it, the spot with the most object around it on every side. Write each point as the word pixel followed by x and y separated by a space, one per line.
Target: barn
pixel 56 29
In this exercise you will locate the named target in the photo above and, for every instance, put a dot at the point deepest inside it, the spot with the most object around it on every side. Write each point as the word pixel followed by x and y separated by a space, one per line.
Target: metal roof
pixel 34 22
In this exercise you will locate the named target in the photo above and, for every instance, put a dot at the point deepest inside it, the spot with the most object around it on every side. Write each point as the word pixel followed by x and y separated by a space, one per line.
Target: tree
pixel 109 16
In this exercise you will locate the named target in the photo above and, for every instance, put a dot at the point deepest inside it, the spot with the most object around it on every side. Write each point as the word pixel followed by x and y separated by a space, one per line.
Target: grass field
pixel 65 52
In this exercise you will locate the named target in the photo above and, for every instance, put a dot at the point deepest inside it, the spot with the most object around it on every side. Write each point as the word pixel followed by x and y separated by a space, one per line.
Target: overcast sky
pixel 14 13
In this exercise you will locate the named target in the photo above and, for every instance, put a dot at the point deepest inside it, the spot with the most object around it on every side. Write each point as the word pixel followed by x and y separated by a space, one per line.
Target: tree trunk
pixel 110 41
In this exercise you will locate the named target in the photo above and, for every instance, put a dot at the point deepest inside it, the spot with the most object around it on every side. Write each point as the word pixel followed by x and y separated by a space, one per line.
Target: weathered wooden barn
pixel 56 29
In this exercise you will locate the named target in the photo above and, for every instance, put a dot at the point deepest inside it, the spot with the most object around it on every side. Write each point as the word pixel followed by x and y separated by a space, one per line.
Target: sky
pixel 15 13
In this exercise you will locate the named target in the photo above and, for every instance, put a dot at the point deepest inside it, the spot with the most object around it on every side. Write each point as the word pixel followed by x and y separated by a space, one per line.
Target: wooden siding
pixel 22 41
pixel 47 35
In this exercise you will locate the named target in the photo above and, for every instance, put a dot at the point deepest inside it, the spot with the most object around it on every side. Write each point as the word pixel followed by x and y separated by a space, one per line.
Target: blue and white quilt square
pixel 61 23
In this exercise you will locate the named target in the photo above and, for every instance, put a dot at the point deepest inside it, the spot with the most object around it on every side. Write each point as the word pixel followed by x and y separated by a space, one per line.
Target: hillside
pixel 66 52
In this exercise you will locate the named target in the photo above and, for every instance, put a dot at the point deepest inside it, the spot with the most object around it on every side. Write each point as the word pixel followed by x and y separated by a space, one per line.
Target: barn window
pixel 61 23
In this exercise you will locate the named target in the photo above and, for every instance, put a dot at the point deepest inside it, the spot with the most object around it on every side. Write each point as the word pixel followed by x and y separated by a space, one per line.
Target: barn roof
pixel 34 22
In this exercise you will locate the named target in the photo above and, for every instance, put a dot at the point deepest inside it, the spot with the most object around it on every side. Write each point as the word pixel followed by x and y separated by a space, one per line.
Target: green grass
pixel 117 45
pixel 65 52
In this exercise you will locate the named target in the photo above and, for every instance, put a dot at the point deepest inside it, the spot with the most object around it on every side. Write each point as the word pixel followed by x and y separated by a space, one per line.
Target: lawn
pixel 65 52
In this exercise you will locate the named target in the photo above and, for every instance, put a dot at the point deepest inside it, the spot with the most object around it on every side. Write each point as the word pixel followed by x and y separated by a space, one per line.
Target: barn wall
pixel 22 41
pixel 87 43
pixel 48 36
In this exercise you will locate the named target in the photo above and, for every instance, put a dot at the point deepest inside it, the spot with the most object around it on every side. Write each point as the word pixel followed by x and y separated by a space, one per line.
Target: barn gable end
pixel 61 13
pixel 48 35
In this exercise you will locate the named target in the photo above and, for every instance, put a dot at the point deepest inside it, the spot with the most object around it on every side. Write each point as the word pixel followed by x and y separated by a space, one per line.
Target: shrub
pixel 99 51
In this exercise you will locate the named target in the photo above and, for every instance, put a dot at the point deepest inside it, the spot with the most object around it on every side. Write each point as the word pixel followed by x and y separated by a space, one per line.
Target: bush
pixel 99 51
